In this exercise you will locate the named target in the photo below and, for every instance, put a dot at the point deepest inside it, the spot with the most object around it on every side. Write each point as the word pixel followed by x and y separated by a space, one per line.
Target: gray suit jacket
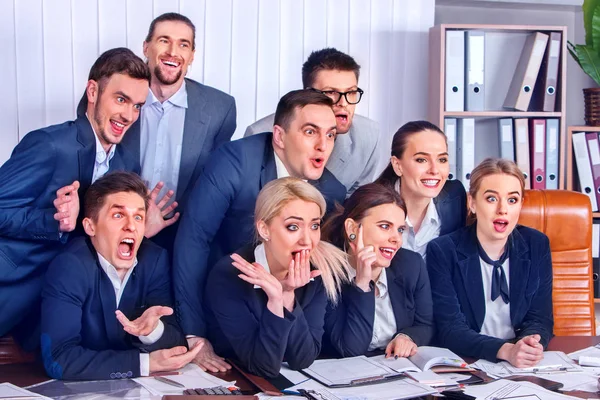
pixel 356 159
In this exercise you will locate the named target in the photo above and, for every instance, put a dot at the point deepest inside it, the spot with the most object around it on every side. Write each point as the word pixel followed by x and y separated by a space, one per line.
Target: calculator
pixel 217 390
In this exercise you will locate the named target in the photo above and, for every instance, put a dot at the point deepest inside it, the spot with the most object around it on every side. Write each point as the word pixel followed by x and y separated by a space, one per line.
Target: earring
pixel 352 237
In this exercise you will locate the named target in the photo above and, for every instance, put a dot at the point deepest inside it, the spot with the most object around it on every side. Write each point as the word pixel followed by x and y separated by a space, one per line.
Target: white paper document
pixel 505 389
pixel 8 390
pixel 348 371
pixel 192 377
pixel 553 360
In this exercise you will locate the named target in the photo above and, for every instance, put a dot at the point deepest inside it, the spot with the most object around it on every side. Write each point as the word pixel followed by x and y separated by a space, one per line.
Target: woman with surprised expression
pixel 419 170
pixel 492 281
pixel 387 303
pixel 265 304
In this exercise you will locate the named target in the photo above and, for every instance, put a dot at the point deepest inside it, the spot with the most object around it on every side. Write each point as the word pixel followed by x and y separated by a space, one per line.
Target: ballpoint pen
pixel 169 381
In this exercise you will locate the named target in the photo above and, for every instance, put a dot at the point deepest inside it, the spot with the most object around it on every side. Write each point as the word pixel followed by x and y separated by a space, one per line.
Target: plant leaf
pixel 588 7
pixel 589 61
pixel 596 28
pixel 573 51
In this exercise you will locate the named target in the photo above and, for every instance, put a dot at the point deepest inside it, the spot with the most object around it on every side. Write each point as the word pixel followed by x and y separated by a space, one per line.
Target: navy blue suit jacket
pixel 349 324
pixel 81 336
pixel 241 327
pixel 451 205
pixel 219 217
pixel 457 288
pixel 44 161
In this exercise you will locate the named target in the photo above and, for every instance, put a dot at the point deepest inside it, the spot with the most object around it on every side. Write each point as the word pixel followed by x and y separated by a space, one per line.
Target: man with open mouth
pixel 106 301
pixel 48 171
pixel 356 159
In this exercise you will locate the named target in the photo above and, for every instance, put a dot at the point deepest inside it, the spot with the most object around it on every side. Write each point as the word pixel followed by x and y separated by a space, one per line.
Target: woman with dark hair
pixel 419 171
pixel 387 303
pixel 492 281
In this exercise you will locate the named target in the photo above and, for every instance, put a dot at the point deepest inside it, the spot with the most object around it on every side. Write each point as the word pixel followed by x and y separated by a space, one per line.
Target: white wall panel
pixel 30 65
pixel 9 134
pixel 252 49
pixel 217 44
pixel 244 45
pixel 85 43
pixel 58 61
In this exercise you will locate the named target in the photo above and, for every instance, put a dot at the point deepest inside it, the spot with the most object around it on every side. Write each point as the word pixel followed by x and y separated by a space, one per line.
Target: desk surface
pixel 32 373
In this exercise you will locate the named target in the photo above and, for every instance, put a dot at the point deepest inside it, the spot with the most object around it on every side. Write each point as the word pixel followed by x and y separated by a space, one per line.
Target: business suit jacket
pixel 44 161
pixel 81 336
pixel 349 324
pixel 358 156
pixel 451 205
pixel 242 327
pixel 457 288
pixel 219 217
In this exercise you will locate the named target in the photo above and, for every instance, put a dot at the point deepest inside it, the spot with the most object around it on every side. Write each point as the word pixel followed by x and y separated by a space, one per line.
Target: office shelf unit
pixel 503 47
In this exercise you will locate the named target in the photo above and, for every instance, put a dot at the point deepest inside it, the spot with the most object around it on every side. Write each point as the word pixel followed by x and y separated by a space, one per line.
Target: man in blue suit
pixel 218 218
pixel 48 170
pixel 105 307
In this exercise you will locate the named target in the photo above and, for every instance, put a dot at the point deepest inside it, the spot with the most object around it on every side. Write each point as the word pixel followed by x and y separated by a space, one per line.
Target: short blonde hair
pixel 327 258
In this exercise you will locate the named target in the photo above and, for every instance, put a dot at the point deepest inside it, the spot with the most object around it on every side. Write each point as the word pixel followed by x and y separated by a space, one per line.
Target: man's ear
pixel 91 91
pixel 395 161
pixel 89 227
pixel 278 135
pixel 145 49
pixel 263 230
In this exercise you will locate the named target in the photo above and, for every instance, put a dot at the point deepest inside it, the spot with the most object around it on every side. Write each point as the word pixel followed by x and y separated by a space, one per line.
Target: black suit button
pixel 112 375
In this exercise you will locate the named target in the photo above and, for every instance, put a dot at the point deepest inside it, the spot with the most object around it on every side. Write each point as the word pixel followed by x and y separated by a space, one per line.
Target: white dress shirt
pixel 119 287
pixel 384 325
pixel 497 321
pixel 161 139
pixel 102 161
pixel 282 172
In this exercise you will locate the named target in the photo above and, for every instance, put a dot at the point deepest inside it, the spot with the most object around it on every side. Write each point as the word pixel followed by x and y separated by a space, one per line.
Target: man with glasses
pixel 355 160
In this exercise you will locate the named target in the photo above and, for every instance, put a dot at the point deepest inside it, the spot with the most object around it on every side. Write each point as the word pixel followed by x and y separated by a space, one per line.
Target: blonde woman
pixel 266 303
pixel 491 282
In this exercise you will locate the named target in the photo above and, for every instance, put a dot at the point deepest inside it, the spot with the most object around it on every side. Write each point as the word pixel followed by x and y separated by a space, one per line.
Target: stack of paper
pixel 8 391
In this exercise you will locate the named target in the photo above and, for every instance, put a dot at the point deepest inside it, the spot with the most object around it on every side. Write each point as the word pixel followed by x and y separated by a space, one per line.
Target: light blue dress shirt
pixel 162 139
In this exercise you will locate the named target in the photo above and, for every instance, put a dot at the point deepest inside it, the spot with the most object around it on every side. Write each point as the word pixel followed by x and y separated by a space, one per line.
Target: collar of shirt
pixel 179 98
pixel 101 155
pixel 112 274
pixel 282 172
pixel 381 282
pixel 431 217
pixel 260 256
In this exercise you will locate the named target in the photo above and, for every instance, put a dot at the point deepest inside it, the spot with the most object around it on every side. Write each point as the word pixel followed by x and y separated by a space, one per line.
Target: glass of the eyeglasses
pixel 352 96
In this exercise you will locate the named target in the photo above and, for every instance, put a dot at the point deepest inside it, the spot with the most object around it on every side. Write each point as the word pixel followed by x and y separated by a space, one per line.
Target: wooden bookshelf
pixel 437 73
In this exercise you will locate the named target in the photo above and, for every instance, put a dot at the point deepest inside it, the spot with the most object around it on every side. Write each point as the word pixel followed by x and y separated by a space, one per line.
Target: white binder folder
pixel 522 148
pixel 465 150
pixel 506 138
pixel 455 70
pixel 552 153
pixel 450 131
pixel 584 169
pixel 475 59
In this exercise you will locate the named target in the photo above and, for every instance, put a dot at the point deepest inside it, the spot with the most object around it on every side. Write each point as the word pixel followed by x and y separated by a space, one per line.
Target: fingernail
pixel 395 357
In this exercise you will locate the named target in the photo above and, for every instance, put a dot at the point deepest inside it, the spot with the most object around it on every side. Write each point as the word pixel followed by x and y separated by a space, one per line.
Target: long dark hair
pixel 388 177
pixel 356 207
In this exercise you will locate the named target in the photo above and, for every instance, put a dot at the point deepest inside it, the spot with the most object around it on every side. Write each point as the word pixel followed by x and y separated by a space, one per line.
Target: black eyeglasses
pixel 352 96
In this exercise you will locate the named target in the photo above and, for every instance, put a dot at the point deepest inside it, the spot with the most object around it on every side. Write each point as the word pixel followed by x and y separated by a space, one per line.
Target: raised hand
pixel 299 273
pixel 527 352
pixel 257 275
pixel 401 346
pixel 173 358
pixel 156 213
pixel 365 257
pixel 144 325
pixel 67 207
pixel 206 358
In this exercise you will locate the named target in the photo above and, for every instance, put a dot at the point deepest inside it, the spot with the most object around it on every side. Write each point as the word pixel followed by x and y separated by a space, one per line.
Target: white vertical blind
pixel 252 49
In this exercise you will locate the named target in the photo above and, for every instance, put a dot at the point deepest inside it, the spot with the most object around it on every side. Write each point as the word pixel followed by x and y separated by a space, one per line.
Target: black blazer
pixel 457 288
pixel 349 324
pixel 219 217
pixel 241 327
pixel 451 205
pixel 81 336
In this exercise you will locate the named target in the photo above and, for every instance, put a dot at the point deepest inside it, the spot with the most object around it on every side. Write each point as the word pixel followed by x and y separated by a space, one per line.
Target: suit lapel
pixel 131 140
pixel 520 264
pixel 341 152
pixel 268 172
pixel 470 270
pixel 87 153
pixel 194 134
pixel 397 294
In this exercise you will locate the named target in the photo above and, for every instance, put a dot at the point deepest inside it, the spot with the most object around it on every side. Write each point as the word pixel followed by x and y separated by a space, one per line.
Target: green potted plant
pixel 588 57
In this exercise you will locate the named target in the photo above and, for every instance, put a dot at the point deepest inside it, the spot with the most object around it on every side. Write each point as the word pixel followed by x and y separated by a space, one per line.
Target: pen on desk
pixel 169 373
pixel 291 392
pixel 169 381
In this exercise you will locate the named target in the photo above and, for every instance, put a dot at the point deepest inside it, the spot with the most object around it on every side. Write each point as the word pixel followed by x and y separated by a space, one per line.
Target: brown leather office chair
pixel 566 218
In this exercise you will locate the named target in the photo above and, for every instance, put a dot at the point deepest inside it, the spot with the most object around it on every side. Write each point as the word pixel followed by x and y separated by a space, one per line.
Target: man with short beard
pixel 48 170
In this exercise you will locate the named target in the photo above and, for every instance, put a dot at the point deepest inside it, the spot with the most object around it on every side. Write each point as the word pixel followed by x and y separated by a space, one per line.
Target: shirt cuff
pixel 144 364
pixel 154 335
